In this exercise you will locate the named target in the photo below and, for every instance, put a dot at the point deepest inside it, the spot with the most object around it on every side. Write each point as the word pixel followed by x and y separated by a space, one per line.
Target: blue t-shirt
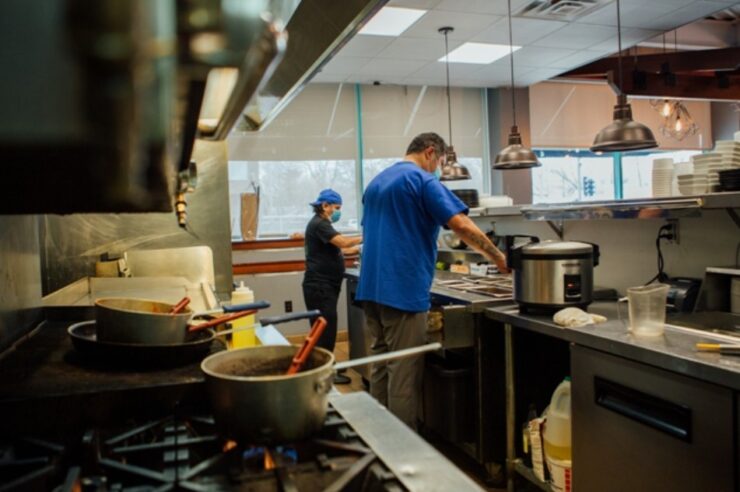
pixel 404 209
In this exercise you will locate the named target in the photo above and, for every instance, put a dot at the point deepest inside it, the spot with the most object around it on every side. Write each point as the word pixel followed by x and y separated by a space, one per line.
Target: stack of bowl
pixel 707 166
pixel 693 184
pixel 662 177
pixel 730 152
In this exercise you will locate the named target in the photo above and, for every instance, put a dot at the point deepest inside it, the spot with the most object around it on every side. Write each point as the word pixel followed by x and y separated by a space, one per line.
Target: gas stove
pixel 69 425
pixel 185 452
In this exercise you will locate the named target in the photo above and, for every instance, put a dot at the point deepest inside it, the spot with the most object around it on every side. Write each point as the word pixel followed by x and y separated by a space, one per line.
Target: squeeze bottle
pixel 244 337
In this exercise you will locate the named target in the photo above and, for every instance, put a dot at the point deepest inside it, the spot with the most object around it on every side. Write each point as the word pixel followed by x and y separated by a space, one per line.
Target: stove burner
pixel 189 454
pixel 29 464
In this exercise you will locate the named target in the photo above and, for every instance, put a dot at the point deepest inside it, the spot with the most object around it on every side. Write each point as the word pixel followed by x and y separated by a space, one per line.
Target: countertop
pixel 443 295
pixel 674 351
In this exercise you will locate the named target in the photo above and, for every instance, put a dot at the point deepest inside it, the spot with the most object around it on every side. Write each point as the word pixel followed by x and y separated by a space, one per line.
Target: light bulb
pixel 679 125
pixel 666 111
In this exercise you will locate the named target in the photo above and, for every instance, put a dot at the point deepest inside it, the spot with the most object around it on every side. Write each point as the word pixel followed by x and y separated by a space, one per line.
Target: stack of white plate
pixel 730 152
pixel 693 184
pixel 708 165
pixel 662 177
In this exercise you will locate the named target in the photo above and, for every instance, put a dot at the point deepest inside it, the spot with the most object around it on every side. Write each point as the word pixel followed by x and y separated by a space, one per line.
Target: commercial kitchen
pixel 160 158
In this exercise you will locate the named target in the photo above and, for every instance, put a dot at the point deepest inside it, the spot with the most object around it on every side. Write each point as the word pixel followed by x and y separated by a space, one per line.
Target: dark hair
pixel 424 140
pixel 318 209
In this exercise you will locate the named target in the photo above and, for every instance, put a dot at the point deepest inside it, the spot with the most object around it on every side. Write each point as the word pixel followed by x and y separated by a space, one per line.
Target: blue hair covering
pixel 328 196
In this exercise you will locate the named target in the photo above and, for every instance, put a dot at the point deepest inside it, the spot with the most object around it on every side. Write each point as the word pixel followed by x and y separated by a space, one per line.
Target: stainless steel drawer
pixel 639 428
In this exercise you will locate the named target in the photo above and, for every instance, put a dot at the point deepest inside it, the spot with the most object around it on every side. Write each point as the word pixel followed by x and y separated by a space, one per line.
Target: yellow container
pixel 243 337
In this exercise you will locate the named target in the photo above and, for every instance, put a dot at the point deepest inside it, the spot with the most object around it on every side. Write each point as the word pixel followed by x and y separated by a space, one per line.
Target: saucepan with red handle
pixel 143 321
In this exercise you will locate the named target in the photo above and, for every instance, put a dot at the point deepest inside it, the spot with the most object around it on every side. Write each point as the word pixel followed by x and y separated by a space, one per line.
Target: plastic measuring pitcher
pixel 647 309
pixel 557 434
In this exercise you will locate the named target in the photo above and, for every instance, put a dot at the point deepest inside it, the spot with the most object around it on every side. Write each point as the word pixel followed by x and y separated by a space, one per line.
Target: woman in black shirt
pixel 325 250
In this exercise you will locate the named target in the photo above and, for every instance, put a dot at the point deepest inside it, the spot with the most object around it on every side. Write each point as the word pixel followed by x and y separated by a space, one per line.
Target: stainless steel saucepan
pixel 142 321
pixel 253 400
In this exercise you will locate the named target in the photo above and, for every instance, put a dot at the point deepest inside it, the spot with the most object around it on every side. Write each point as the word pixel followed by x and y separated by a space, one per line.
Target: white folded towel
pixel 573 317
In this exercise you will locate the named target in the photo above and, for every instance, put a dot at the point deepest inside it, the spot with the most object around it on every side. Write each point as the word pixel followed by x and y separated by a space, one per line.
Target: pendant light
pixel 515 155
pixel 451 170
pixel 623 134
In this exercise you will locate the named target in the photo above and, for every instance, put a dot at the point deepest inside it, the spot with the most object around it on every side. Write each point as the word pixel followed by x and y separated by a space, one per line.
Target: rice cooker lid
pixel 557 248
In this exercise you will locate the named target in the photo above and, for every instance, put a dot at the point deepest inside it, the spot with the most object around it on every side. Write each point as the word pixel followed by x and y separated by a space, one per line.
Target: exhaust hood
pixel 101 101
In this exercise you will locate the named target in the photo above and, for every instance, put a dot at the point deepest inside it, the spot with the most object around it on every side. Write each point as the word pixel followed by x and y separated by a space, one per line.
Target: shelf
pixel 649 208
pixel 527 473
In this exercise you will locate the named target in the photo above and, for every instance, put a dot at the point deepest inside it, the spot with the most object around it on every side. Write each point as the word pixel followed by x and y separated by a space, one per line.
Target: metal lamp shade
pixel 515 155
pixel 623 134
pixel 452 171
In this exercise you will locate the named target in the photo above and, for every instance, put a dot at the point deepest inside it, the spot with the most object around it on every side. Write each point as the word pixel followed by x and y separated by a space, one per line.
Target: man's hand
pixel 476 239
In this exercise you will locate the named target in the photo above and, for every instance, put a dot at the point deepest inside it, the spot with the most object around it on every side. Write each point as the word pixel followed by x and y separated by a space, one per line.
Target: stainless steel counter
pixel 443 295
pixel 674 351
pixel 416 463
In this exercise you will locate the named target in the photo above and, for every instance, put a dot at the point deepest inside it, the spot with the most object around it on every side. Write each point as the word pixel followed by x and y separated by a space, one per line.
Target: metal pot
pixel 552 275
pixel 253 399
pixel 143 321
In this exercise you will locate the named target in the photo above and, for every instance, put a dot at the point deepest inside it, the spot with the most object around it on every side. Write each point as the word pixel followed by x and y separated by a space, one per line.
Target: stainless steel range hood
pixel 101 100
pixel 316 32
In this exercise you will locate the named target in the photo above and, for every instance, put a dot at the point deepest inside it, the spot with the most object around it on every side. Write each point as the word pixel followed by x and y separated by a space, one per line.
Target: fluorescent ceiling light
pixel 482 53
pixel 391 21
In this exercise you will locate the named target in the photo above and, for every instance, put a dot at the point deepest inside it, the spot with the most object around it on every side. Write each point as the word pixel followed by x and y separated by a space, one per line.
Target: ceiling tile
pixel 418 49
pixel 630 37
pixel 526 31
pixel 382 67
pixel 540 56
pixel 457 70
pixel 495 7
pixel 577 36
pixel 345 64
pixel 634 13
pixel 575 60
pixel 466 25
pixel 363 45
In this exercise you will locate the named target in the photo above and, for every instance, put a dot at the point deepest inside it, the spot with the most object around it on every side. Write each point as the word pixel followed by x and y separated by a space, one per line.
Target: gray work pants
pixel 397 383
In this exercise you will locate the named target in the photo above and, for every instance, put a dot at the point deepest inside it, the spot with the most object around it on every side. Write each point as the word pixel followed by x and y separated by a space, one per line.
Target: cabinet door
pixel 639 428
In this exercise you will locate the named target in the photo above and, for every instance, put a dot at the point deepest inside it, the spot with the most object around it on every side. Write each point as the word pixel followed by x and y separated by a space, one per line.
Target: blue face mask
pixel 438 172
pixel 336 215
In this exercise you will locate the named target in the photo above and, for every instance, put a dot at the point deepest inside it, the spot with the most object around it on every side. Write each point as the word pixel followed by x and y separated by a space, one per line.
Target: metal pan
pixel 253 400
pixel 194 348
pixel 147 322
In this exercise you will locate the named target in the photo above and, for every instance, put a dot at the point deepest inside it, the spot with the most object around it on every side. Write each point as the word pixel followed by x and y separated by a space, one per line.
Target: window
pixel 580 176
pixel 393 115
pixel 572 176
pixel 637 171
pixel 286 189
pixel 315 143
pixel 310 146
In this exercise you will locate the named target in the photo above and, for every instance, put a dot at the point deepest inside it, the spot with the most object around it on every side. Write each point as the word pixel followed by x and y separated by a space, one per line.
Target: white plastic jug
pixel 557 427
pixel 244 337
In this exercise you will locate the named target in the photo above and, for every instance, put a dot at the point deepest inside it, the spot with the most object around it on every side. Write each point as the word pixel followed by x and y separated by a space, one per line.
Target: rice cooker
pixel 551 275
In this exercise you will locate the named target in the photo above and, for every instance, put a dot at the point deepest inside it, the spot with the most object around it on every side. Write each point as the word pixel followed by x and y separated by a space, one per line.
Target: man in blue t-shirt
pixel 404 207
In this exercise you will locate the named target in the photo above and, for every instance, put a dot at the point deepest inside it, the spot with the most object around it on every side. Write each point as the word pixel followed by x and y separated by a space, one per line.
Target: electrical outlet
pixel 288 306
pixel 674 229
